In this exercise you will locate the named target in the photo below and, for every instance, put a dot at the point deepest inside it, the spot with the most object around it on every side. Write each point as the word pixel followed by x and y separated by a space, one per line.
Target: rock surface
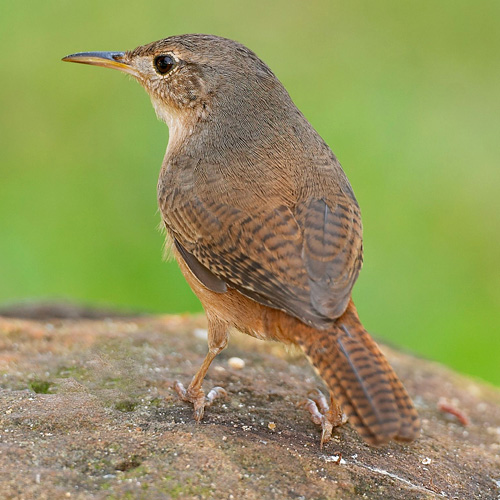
pixel 87 411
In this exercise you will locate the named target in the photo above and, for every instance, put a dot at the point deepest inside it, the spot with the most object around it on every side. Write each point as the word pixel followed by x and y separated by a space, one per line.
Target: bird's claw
pixel 198 398
pixel 326 415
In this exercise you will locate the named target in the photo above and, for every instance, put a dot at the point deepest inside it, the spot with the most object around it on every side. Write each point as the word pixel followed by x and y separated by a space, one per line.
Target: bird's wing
pixel 303 259
pixel 332 251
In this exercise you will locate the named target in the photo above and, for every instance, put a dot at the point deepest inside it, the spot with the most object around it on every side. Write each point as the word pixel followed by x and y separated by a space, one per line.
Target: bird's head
pixel 188 76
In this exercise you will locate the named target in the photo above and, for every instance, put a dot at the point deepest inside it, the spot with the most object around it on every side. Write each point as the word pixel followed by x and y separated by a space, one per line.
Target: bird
pixel 264 225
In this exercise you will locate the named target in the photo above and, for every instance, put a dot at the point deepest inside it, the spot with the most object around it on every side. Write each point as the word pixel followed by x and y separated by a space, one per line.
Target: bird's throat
pixel 179 126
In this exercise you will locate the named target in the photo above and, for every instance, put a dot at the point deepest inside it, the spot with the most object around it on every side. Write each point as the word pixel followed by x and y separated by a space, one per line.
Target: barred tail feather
pixel 361 379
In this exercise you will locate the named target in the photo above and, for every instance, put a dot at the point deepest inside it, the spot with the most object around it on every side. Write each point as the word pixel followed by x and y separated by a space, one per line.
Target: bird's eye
pixel 164 64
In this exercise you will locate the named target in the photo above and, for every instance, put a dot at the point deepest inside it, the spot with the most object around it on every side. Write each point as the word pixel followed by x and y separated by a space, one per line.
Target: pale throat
pixel 180 127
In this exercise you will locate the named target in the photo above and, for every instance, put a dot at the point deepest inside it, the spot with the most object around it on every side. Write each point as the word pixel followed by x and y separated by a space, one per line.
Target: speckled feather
pixel 262 202
pixel 265 225
pixel 277 257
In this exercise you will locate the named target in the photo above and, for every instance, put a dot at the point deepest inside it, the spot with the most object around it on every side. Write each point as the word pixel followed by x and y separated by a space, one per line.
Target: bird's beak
pixel 114 60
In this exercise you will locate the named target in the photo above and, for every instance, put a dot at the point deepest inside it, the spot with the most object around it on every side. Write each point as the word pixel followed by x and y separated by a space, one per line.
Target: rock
pixel 87 411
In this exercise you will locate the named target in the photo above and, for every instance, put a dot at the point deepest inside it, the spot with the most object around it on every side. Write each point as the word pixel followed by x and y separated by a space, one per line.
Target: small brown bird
pixel 264 223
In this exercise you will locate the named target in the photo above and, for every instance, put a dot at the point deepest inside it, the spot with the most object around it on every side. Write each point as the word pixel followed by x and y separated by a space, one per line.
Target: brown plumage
pixel 264 223
pixel 361 379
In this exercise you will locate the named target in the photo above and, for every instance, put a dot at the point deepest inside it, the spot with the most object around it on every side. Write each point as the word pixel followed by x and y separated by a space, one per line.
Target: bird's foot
pixel 324 414
pixel 198 398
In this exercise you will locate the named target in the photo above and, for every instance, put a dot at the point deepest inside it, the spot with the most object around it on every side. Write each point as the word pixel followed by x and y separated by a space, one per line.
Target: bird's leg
pixel 217 341
pixel 324 414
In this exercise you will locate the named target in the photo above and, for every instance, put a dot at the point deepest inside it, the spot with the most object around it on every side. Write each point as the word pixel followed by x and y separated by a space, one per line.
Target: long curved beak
pixel 113 60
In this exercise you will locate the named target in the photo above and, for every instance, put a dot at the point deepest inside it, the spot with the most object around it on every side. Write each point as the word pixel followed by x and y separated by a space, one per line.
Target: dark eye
pixel 164 64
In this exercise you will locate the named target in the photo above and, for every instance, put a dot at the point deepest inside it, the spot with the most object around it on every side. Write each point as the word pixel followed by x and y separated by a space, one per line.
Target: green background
pixel 406 94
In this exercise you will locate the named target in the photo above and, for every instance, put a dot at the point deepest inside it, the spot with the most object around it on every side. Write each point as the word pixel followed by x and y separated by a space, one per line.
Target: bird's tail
pixel 362 381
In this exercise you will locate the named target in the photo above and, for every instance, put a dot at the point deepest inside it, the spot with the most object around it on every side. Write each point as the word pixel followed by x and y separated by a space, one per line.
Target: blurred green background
pixel 406 94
